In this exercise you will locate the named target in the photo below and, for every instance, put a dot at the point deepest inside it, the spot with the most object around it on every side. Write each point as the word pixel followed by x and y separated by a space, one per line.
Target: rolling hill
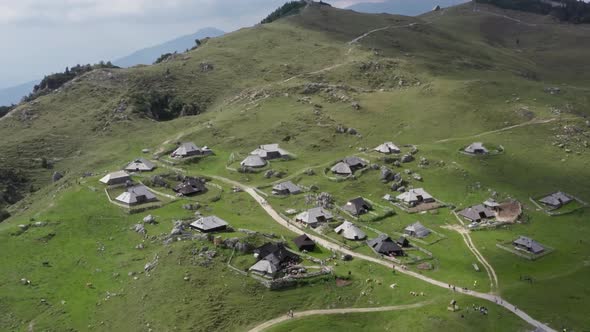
pixel 433 84
pixel 148 55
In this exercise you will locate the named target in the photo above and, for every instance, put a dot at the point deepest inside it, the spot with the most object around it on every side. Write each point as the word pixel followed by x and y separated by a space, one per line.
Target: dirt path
pixel 302 314
pixel 494 285
pixel 528 123
pixel 337 248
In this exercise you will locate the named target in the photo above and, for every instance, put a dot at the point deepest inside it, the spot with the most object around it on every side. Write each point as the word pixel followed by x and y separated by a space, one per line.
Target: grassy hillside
pixel 439 81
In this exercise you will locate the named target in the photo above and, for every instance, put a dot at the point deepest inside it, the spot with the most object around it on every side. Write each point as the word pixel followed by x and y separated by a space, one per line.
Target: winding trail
pixel 307 313
pixel 528 123
pixel 471 246
pixel 335 247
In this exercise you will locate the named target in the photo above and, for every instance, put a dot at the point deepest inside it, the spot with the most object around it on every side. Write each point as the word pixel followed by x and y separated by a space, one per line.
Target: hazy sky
pixel 44 36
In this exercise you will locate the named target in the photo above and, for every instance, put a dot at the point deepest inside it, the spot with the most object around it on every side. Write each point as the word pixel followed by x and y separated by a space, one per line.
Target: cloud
pixel 154 11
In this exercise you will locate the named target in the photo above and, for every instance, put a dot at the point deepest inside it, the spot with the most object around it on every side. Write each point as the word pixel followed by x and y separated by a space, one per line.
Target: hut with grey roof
pixel 253 161
pixel 417 230
pixel 189 149
pixel 384 245
pixel 476 148
pixel 269 152
pixel 556 200
pixel 529 245
pixel 304 242
pixel 414 197
pixel 209 224
pixel 286 188
pixel 477 213
pixel 355 162
pixel 342 169
pixel 264 268
pixel 140 165
pixel 350 231
pixel 136 195
pixel 190 186
pixel 357 206
pixel 387 148
pixel 313 217
pixel 119 177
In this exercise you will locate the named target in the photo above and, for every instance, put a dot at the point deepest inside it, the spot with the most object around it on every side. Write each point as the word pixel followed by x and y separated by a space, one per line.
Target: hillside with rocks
pixel 325 84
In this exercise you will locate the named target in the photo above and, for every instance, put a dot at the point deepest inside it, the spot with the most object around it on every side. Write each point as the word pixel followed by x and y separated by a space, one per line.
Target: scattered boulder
pixel 407 158
pixel 341 129
pixel 417 177
pixel 40 224
pixel 149 219
pixel 139 228
pixel 56 176
pixel 552 90
pixel 356 106
pixel 351 131
pixel 178 228
pixel 268 174
pixel 386 174
pixel 309 172
pixel 423 162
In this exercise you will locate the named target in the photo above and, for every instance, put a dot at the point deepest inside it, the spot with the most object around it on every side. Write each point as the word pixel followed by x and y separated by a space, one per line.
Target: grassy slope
pixel 469 79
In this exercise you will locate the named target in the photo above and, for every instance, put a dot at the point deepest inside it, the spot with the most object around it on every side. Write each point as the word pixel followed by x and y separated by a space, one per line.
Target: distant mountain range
pixel 403 7
pixel 147 56
pixel 13 95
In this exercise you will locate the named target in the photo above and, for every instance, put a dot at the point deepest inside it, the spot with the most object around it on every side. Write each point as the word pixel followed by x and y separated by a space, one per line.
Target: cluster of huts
pixel 139 194
pixel 260 156
pixel 189 149
pixel 348 165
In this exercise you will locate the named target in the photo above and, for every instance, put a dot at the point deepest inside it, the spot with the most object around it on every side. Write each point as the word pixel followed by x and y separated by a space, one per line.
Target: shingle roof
pixel 253 161
pixel 477 212
pixel 341 168
pixel 114 176
pixel 136 195
pixel 556 199
pixel 209 223
pixel 418 229
pixel 357 206
pixel 383 244
pixel 311 216
pixel 185 149
pixel 276 253
pixel 354 161
pixel 413 195
pixel 263 150
pixel 350 231
pixel 387 148
pixel 265 267
pixel 140 164
pixel 303 241
pixel 288 186
pixel 190 186
pixel 531 245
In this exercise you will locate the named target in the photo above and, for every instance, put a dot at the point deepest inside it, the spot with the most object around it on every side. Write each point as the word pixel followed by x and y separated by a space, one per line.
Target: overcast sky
pixel 43 36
